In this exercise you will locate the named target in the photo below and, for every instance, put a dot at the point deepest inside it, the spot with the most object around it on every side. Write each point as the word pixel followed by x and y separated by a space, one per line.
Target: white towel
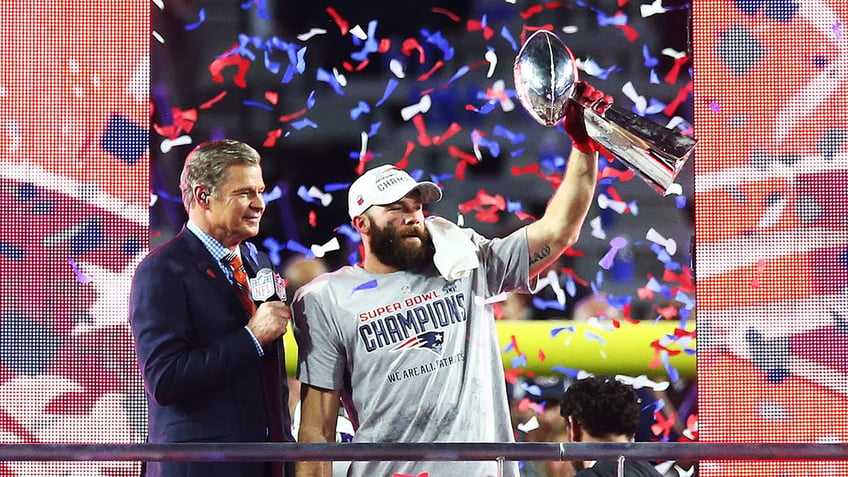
pixel 456 254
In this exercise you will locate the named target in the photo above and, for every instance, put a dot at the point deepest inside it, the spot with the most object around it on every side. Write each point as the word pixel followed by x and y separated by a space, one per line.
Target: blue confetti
pixel 560 329
pixel 508 37
pixel 201 18
pixel 371 45
pixel 272 195
pixel 570 286
pixel 514 138
pixel 459 73
pixel 327 77
pixel 257 104
pixel 304 123
pixel 375 128
pixel 595 337
pixel 336 186
pixel 519 361
pixel 348 231
pixel 650 61
pixel 273 248
pixel 303 193
pixel 365 286
pixel 542 304
pixel 570 372
pixel 360 109
pixel 531 389
pixel 673 374
pixel 390 88
pixel 271 65
pixel 440 42
pixel 297 247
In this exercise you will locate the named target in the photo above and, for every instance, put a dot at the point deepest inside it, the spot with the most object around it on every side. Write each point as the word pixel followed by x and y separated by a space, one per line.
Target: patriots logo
pixel 431 340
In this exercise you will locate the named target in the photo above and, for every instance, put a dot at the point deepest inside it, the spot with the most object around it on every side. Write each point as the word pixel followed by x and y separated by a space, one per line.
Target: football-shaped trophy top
pixel 544 74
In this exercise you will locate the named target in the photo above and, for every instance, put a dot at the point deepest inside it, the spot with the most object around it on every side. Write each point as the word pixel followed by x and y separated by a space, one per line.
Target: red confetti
pixel 344 27
pixel 631 34
pixel 525 29
pixel 313 219
pixel 448 13
pixel 272 97
pixel 231 60
pixel 474 25
pixel 526 404
pixel 423 138
pixel 214 100
pixel 671 77
pixel 515 345
pixel 623 176
pixel 350 68
pixel 531 169
pixel 541 355
pixel 684 278
pixel 404 161
pixel 681 97
pixel 663 426
pixel 294 115
pixel 536 9
pixel 435 67
pixel 271 140
pixel 411 44
pixel 512 374
pixel 451 131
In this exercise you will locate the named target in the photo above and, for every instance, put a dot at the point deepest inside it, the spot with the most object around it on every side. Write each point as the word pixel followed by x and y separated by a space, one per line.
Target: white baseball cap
pixel 384 185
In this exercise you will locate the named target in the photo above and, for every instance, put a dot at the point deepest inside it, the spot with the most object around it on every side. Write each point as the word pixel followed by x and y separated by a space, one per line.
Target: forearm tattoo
pixel 541 255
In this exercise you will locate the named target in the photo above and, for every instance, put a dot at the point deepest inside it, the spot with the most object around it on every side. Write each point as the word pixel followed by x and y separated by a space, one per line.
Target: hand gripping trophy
pixel 546 80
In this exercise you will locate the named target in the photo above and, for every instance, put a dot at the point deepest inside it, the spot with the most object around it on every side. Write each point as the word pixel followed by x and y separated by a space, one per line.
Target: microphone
pixel 267 286
pixel 270 286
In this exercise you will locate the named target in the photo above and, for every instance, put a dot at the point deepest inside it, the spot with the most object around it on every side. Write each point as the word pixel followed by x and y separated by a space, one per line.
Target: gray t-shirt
pixel 416 356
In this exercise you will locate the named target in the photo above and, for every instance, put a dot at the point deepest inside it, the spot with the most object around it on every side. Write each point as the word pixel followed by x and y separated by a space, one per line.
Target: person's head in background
pixel 299 271
pixel 600 409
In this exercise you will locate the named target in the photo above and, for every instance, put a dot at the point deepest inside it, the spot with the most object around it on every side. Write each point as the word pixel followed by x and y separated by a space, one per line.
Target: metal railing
pixel 444 451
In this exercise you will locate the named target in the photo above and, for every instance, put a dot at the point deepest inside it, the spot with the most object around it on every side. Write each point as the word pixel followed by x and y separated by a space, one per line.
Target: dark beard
pixel 387 245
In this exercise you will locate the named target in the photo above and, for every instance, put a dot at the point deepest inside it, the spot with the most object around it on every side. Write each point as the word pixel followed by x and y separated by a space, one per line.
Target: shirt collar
pixel 218 251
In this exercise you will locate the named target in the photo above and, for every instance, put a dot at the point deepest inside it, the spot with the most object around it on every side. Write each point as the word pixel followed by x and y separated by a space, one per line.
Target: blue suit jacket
pixel 202 373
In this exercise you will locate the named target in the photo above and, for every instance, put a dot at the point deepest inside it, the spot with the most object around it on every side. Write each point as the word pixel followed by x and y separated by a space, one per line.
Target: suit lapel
pixel 207 266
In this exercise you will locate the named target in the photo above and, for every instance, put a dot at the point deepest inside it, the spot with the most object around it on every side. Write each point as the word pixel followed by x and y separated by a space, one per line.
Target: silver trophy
pixel 545 76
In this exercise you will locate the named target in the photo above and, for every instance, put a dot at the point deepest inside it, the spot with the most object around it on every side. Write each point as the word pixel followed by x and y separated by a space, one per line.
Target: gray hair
pixel 208 164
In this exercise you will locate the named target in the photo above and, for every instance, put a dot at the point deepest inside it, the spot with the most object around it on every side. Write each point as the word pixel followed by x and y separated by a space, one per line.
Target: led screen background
pixel 771 223
pixel 74 169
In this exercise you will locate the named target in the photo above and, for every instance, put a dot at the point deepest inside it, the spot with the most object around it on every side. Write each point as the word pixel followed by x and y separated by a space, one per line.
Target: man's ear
pixel 361 223
pixel 574 430
pixel 201 196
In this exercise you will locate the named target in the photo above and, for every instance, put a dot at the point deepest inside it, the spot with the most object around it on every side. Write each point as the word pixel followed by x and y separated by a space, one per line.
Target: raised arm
pixel 563 219
pixel 319 411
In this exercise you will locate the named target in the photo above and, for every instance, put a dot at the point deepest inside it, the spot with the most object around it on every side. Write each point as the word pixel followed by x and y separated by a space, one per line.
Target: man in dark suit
pixel 210 358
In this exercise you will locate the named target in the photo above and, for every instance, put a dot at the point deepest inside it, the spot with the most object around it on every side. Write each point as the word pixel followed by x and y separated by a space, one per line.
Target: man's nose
pixel 258 202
